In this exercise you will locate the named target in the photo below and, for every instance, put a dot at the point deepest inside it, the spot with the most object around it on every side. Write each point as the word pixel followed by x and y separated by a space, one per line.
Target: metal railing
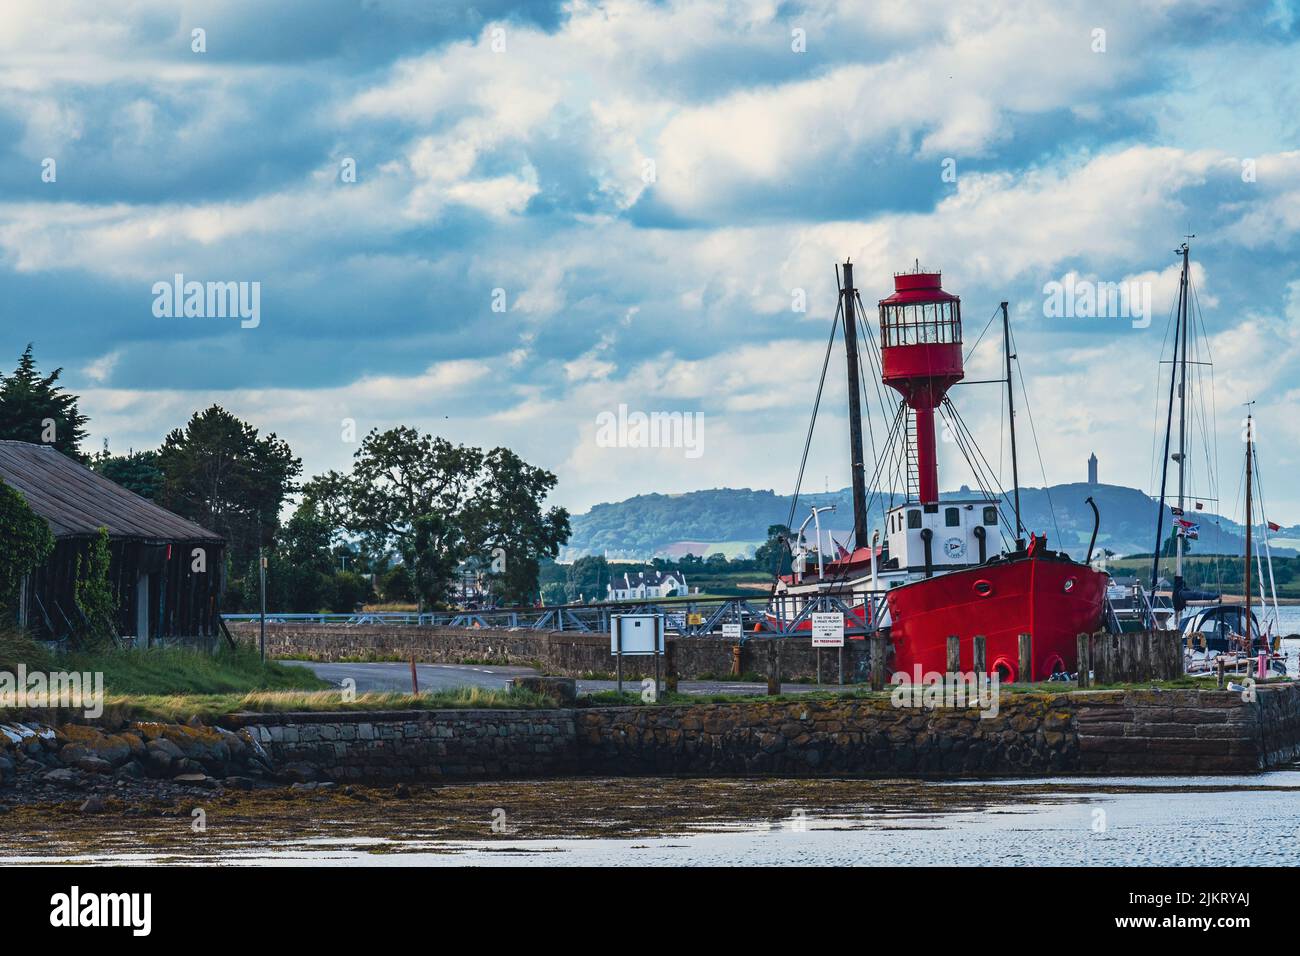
pixel 780 616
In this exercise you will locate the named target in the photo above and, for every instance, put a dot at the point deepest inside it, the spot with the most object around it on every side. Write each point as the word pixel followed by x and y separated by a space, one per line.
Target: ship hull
pixel 1052 599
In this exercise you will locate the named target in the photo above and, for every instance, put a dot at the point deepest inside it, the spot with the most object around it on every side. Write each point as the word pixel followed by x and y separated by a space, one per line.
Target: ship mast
pixel 1182 435
pixel 1177 376
pixel 1011 420
pixel 1250 439
pixel 856 462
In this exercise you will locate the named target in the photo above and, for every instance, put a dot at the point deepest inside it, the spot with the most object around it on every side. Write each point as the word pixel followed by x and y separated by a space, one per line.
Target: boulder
pixel 63 777
pixel 92 764
pixel 298 773
pixel 131 770
pixel 161 754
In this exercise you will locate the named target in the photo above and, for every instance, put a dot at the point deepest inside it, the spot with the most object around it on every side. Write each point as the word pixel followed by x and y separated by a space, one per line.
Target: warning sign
pixel 827 629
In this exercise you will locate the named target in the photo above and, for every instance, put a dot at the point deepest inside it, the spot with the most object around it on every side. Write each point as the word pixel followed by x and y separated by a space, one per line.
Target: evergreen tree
pixel 35 408
pixel 136 471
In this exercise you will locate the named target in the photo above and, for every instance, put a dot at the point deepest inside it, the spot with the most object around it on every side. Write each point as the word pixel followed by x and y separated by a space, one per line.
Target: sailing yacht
pixel 1210 628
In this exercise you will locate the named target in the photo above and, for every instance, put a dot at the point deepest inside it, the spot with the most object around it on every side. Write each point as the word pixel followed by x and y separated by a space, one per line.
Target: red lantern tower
pixel 920 337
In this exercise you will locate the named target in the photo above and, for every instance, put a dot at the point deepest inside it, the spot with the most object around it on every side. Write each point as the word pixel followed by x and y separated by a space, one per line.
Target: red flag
pixel 1274 527
pixel 1199 506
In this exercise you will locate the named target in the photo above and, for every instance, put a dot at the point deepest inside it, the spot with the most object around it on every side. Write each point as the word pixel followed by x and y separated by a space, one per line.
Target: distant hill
pixel 735 521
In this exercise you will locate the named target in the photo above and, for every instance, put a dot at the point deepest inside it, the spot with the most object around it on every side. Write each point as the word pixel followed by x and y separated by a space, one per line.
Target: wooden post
pixel 981 666
pixel 1219 664
pixel 1084 660
pixel 877 662
pixel 735 660
pixel 954 654
pixel 773 668
pixel 415 682
pixel 670 666
pixel 1026 673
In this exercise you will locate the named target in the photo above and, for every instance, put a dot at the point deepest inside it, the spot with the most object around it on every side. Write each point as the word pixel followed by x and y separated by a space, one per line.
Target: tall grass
pixel 163 670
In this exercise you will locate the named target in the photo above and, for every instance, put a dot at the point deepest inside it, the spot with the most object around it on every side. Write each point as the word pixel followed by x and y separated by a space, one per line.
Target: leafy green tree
pixel 406 491
pixel 351 590
pixel 554 593
pixel 26 543
pixel 92 592
pixel 136 471
pixel 300 572
pixel 507 528
pixel 773 556
pixel 35 408
pixel 588 578
pixel 397 586
pixel 220 473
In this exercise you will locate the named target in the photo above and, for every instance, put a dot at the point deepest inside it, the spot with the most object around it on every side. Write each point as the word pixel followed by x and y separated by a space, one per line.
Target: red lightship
pixel 937 573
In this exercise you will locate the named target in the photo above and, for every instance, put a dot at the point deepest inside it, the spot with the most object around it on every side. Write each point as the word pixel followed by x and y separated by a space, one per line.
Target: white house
pixel 646 584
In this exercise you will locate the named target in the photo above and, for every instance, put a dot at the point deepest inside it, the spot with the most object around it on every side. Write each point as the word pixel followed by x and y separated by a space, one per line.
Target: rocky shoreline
pixel 139 764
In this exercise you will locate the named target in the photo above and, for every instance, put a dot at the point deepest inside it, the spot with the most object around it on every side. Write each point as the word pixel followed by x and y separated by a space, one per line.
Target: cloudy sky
pixel 644 191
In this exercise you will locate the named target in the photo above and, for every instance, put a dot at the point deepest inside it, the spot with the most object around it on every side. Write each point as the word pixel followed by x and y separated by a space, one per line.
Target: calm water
pixel 1251 820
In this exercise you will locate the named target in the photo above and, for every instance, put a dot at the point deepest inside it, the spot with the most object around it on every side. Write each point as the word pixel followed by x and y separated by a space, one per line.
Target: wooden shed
pixel 166 571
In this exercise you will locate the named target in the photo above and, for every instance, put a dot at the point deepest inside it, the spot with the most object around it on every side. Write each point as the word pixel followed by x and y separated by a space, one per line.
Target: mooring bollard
pixel 954 654
pixel 980 666
pixel 1084 662
pixel 1026 669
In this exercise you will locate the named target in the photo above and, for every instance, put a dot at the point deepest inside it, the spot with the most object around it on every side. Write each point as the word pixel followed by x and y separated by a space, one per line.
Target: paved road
pixel 396 676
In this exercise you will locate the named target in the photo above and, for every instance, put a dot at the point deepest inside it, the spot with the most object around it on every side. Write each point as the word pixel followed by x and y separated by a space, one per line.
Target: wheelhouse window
pixel 924 323
pixel 914 518
pixel 951 517
pixel 990 515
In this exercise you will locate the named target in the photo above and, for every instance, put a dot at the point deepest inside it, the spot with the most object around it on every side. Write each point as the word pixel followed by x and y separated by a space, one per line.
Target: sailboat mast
pixel 857 465
pixel 1011 419
pixel 1250 439
pixel 1182 430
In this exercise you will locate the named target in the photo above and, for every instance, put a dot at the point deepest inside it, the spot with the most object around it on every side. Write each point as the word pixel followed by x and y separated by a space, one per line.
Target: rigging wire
pixel 812 423
pixel 1034 431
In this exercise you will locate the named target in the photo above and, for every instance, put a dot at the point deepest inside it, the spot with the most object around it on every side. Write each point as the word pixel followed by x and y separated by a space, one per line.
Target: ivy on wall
pixel 26 543
pixel 92 591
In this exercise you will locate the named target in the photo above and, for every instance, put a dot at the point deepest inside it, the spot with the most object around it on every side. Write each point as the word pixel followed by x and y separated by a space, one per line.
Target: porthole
pixel 1069 584
pixel 983 588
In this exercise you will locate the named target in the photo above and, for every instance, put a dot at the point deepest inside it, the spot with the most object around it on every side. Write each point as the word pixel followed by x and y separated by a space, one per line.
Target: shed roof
pixel 76 501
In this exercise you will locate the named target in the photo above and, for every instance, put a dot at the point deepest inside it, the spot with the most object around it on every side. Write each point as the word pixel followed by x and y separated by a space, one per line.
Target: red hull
pixel 1000 601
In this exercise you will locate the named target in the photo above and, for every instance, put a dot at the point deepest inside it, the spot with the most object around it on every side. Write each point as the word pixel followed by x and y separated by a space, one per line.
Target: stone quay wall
pixel 563 653
pixel 1090 732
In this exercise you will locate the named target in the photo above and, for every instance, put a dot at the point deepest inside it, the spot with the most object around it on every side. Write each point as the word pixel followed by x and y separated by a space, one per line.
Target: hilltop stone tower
pixel 1092 469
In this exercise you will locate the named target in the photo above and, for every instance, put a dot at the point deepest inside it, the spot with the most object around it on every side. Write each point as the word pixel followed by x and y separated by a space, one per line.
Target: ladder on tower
pixel 910 455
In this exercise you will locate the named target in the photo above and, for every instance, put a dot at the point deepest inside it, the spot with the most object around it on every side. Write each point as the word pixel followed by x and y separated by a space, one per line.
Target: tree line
pixel 411 515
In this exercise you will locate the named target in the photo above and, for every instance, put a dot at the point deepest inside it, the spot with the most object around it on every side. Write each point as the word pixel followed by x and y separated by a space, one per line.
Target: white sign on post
pixel 632 634
pixel 732 632
pixel 827 628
